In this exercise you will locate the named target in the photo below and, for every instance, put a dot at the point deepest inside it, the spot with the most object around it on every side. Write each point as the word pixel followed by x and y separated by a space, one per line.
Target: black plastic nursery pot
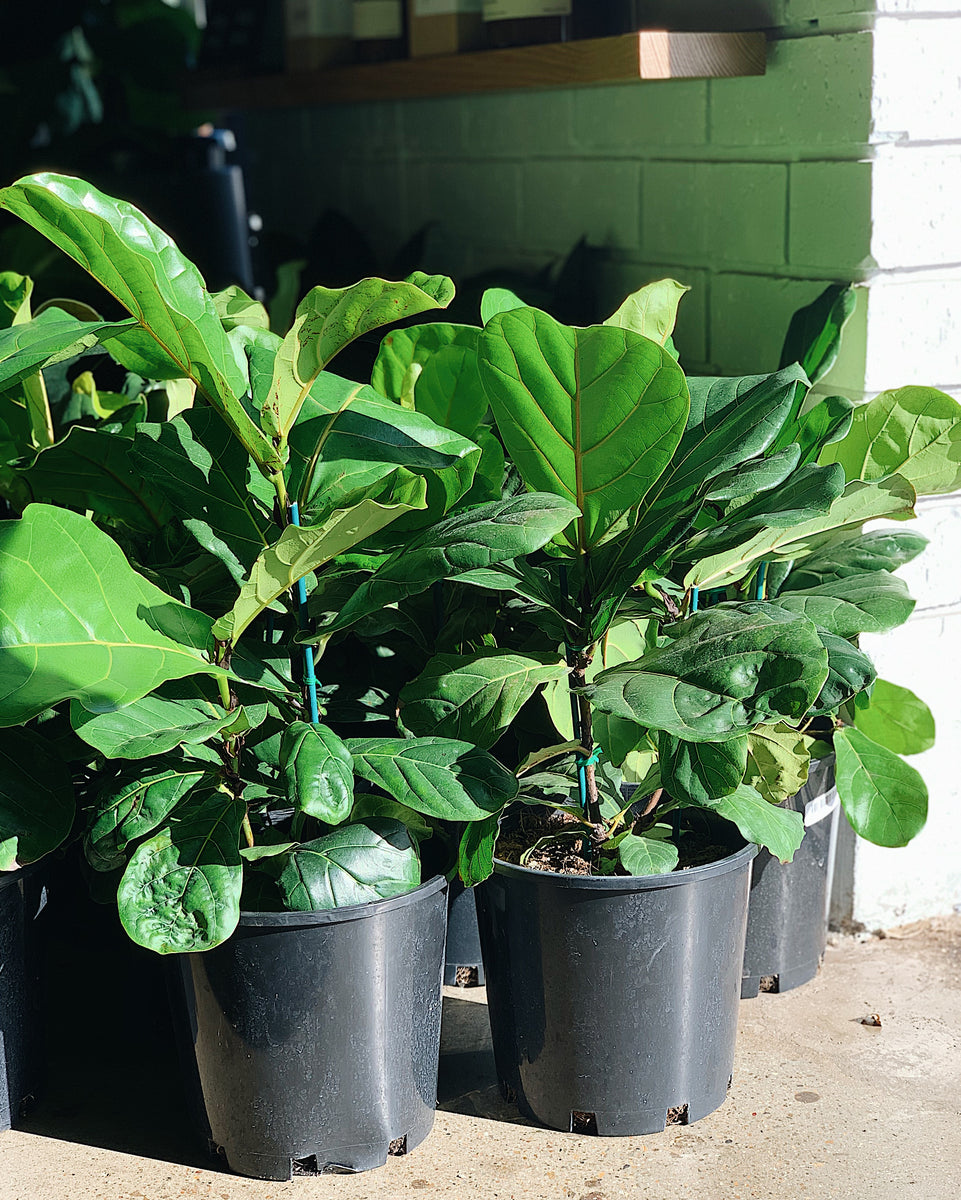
pixel 463 962
pixel 613 999
pixel 316 1035
pixel 22 898
pixel 787 923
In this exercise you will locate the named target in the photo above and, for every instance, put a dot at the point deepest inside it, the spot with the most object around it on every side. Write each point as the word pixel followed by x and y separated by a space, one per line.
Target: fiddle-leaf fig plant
pixel 212 774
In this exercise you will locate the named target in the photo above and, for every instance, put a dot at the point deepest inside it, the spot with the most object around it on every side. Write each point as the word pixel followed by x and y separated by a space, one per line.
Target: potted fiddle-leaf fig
pixel 604 909
pixel 289 864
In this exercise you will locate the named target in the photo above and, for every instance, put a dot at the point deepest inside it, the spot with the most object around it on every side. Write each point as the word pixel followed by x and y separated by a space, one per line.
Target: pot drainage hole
pixel 584 1122
pixel 466 977
pixel 677 1115
pixel 398 1146
pixel 769 983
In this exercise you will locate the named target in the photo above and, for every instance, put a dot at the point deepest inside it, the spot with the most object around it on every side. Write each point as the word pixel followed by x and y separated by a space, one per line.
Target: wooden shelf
pixel 648 55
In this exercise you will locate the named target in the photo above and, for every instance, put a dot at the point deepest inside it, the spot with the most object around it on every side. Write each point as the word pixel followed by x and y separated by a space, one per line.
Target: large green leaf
pixel 49 338
pixel 475 858
pixel 207 477
pixel 182 712
pixel 349 438
pixel 731 422
pixel 468 541
pixel 355 864
pixel 301 550
pixel 777 761
pixel 806 493
pixel 235 307
pixel 433 369
pixel 327 320
pixel 897 719
pixel 91 469
pixel 475 697
pixel 859 502
pixel 870 603
pixel 645 855
pixel 850 671
pixel 652 311
pixel 827 421
pixel 77 622
pixel 142 268
pixel 439 777
pixel 885 800
pixel 181 890
pixel 36 798
pixel 701 772
pixel 318 771
pixel 725 670
pixel 777 829
pixel 914 432
pixel 127 809
pixel 15 293
pixel 814 334
pixel 754 477
pixel 882 549
pixel 592 415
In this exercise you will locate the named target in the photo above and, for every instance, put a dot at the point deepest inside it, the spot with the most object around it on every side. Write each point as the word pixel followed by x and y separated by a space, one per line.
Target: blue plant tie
pixel 310 679
pixel 695 597
pixel 761 576
pixel 591 759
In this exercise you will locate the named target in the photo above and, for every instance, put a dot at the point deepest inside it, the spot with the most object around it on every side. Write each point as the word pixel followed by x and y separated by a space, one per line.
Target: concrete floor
pixel 822 1106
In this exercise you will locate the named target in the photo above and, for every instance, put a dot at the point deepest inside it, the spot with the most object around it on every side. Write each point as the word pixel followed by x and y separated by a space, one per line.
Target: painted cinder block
pixel 562 201
pixel 634 118
pixel 907 52
pixel 749 316
pixel 518 124
pixel 829 223
pixel 433 126
pixel 472 200
pixel 816 94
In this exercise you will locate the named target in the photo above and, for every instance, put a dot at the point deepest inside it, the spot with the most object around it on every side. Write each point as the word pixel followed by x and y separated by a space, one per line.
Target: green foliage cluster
pixel 504 543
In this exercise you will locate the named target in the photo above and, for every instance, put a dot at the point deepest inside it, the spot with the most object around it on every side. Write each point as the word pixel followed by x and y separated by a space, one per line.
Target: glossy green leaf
pixel 850 671
pixel 885 800
pixel 468 541
pixel 882 549
pixel 725 670
pixel 370 805
pixel 77 622
pixel 181 890
pixel 828 421
pixel 897 719
pixel 475 859
pixel 15 293
pixel 475 697
pixel 592 415
pixel 235 307
pixel 355 864
pixel 701 772
pixel 870 603
pixel 777 761
pixel 207 477
pixel 805 494
pixel 141 267
pixel 752 478
pixel 36 798
pixel 914 432
pixel 318 771
pixel 776 829
pixel 814 334
pixel 497 300
pixel 127 809
pixel 301 550
pixel 327 320
pixel 348 438
pixel 183 712
pixel 91 469
pixel 859 502
pixel 439 777
pixel 641 855
pixel 651 311
pixel 433 369
pixel 50 338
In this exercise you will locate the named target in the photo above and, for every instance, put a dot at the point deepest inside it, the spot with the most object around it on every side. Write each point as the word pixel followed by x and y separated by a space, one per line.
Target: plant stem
pixel 578 679
pixel 224 689
pixel 248 832
pixel 280 487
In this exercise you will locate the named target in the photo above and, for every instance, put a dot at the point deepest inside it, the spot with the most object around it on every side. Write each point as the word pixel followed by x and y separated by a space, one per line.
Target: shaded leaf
pixel 850 671
pixel 641 855
pixel 128 809
pixel 814 335
pixel 36 798
pixel 356 864
pixel 885 800
pixel 701 772
pixel 318 771
pixel 776 829
pixel 882 549
pixel 475 860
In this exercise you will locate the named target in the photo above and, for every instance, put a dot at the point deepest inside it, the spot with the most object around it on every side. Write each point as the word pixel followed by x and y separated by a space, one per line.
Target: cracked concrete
pixel 822 1106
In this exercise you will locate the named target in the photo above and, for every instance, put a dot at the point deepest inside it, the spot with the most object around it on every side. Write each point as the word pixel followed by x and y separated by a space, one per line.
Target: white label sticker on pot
pixel 442 8
pixel 378 19
pixel 508 10
pixel 820 807
pixel 319 18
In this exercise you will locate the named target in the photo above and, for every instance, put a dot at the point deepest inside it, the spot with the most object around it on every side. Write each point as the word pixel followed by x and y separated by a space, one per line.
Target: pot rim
pixel 633 883
pixel 338 916
pixel 9 878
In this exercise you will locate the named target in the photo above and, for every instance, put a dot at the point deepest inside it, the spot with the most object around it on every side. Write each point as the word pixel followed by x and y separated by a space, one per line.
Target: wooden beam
pixel 631 57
